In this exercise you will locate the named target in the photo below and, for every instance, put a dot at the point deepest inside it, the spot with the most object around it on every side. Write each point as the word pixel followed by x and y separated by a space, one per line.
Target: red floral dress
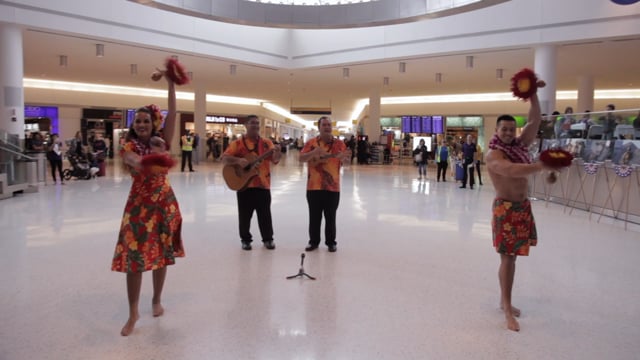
pixel 151 230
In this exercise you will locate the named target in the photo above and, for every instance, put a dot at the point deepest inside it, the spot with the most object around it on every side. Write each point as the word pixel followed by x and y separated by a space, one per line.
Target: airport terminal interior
pixel 415 274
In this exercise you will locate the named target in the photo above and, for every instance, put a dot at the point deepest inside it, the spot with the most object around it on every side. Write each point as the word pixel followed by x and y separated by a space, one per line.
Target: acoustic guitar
pixel 237 177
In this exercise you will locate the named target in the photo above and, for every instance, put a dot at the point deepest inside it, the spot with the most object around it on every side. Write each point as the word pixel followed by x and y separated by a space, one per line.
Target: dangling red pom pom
pixel 162 160
pixel 556 158
pixel 524 84
pixel 176 72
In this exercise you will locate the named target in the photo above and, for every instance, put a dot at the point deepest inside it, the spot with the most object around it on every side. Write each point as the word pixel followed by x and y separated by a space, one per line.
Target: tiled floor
pixel 415 277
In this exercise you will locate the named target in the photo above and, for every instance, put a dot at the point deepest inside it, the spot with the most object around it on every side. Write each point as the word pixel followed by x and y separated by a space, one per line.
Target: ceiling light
pixel 499 74
pixel 133 68
pixel 63 60
pixel 469 62
pixel 402 67
pixel 385 81
pixel 345 72
pixel 438 78
pixel 232 69
pixel 99 50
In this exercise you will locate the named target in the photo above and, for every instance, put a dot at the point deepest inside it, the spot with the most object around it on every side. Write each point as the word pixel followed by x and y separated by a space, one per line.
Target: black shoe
pixel 192 170
pixel 246 246
pixel 269 245
pixel 471 187
pixel 463 187
pixel 310 248
pixel 480 184
pixel 332 248
pixel 444 180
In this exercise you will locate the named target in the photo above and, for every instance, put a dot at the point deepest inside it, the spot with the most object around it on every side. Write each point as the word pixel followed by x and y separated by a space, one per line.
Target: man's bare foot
pixel 512 323
pixel 128 327
pixel 158 310
pixel 514 310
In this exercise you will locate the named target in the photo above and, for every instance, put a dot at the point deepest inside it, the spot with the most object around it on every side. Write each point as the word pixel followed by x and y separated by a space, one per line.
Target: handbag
pixel 418 157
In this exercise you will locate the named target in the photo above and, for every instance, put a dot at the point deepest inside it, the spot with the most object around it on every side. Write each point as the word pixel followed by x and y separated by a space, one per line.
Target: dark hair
pixel 505 118
pixel 323 118
pixel 251 117
pixel 132 133
pixel 613 107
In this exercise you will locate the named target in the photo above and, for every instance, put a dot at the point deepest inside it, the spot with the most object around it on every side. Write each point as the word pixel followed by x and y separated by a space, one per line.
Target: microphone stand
pixel 301 272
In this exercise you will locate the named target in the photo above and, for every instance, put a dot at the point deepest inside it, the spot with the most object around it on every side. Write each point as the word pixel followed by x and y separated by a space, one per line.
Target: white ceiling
pixel 613 63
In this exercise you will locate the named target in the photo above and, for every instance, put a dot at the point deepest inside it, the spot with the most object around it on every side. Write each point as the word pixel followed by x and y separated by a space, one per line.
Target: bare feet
pixel 128 327
pixel 514 310
pixel 512 323
pixel 158 310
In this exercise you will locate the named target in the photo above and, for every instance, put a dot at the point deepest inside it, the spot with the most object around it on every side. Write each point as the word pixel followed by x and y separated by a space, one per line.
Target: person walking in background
pixel 150 233
pixel 420 157
pixel 196 144
pixel 609 123
pixel 469 156
pixel 479 159
pixel 186 145
pixel 54 154
pixel 442 160
pixel 325 155
pixel 257 194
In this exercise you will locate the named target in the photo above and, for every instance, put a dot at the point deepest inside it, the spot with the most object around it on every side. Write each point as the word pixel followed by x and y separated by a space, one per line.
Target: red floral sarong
pixel 514 228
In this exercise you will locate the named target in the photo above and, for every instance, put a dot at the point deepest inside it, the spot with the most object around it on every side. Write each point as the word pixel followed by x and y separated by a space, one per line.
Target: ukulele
pixel 323 159
pixel 237 177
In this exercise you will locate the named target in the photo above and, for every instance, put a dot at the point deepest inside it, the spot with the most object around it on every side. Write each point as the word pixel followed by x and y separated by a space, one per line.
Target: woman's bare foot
pixel 158 310
pixel 512 323
pixel 128 327
pixel 514 310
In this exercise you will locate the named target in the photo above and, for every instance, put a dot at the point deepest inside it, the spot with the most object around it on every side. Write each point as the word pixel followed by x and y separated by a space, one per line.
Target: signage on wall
pixel 222 119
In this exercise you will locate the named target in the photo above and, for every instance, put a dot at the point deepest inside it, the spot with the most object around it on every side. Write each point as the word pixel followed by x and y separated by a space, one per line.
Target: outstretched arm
pixel 530 130
pixel 170 120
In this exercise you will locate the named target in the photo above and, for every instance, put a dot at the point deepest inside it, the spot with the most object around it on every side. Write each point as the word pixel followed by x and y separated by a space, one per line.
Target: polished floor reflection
pixel 414 277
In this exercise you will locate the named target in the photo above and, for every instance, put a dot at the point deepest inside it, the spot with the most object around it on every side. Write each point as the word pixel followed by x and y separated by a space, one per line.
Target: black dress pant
pixel 442 167
pixel 468 173
pixel 478 171
pixel 259 200
pixel 322 202
pixel 56 164
pixel 186 156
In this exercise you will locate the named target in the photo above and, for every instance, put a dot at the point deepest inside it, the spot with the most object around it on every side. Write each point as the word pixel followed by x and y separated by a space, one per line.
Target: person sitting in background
pixel 37 142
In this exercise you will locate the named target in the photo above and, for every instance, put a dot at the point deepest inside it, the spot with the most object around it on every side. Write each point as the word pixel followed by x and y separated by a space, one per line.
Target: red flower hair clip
pixel 156 115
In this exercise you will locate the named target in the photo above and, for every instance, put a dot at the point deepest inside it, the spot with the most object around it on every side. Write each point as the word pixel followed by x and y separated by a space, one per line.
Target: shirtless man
pixel 514 229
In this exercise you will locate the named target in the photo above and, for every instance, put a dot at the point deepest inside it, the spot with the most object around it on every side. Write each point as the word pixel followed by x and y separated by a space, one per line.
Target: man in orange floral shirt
pixel 257 195
pixel 325 155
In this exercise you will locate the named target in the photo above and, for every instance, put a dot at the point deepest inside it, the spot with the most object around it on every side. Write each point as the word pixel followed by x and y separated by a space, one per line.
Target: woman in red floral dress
pixel 150 233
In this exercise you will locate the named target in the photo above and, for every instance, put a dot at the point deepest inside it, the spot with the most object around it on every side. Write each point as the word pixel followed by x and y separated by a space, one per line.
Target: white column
pixel 372 123
pixel 11 74
pixel 200 121
pixel 545 67
pixel 585 93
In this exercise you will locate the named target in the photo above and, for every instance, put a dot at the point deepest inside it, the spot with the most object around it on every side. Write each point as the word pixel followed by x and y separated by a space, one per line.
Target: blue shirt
pixel 468 150
pixel 444 153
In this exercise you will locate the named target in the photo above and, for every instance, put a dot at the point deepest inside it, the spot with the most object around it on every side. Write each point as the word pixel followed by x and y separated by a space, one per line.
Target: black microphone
pixel 301 259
